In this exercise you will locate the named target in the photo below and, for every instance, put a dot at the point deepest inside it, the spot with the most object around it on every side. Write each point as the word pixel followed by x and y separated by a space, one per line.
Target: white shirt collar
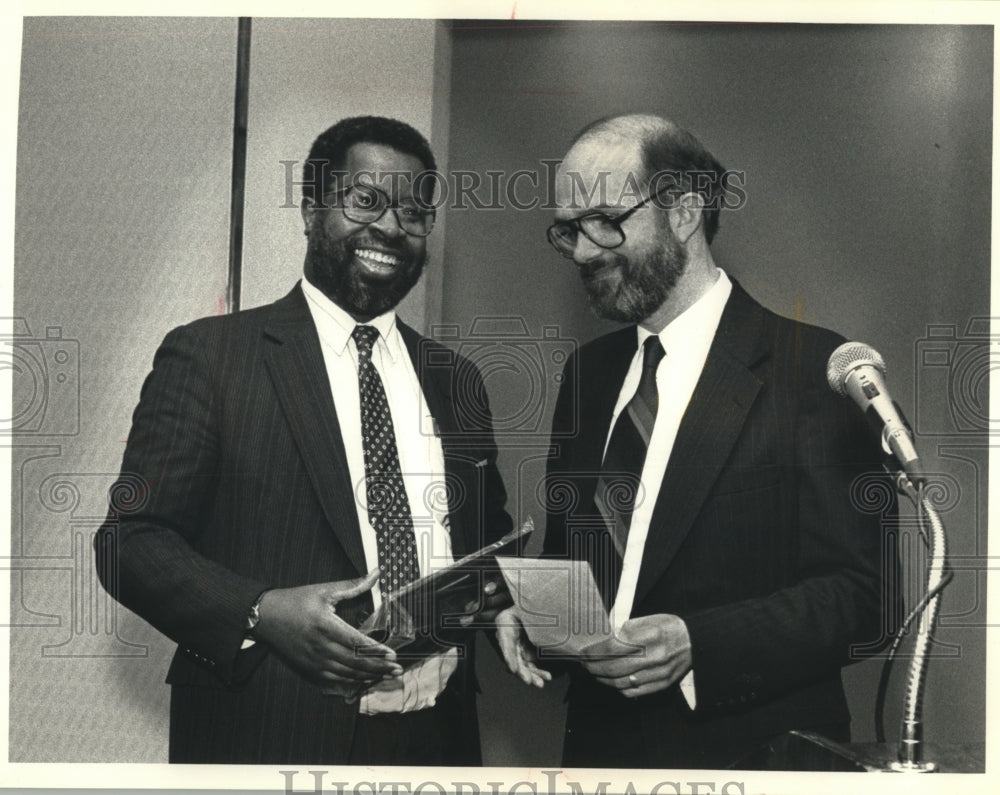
pixel 335 325
pixel 690 334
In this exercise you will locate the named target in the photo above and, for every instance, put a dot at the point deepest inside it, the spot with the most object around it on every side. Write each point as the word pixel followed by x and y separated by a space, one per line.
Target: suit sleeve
pixel 556 486
pixel 161 506
pixel 837 606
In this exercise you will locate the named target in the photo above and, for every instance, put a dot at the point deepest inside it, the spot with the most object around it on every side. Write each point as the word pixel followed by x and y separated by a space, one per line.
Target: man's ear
pixel 685 216
pixel 308 209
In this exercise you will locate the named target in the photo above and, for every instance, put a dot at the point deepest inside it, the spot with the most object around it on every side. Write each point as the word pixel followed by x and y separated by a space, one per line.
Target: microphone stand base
pixel 912 767
pixel 808 751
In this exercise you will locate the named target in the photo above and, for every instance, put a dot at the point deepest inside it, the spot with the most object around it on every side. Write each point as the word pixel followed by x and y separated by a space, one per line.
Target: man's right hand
pixel 302 626
pixel 517 650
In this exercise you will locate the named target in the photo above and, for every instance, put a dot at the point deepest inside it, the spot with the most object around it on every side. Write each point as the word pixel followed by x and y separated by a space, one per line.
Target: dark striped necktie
pixel 388 505
pixel 621 471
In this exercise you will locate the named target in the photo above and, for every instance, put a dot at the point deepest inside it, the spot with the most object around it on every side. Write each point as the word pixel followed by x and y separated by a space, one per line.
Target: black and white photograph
pixel 499 398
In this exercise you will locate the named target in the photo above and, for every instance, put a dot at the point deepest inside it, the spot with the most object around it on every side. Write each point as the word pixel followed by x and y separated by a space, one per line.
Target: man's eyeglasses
pixel 600 229
pixel 366 204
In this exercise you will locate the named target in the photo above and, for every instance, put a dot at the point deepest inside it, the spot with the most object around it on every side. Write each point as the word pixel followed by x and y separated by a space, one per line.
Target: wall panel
pixel 125 133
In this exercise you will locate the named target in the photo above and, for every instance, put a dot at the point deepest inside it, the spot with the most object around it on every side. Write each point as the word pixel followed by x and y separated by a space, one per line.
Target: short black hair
pixel 667 150
pixel 329 151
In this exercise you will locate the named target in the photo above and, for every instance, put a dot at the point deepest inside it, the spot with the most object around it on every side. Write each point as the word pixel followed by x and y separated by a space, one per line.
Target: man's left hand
pixel 648 654
pixel 494 600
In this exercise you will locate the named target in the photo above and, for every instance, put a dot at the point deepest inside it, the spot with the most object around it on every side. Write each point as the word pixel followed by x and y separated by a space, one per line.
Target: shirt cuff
pixel 687 688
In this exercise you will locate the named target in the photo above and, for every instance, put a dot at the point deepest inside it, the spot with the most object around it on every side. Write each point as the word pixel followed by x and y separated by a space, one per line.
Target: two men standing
pixel 289 449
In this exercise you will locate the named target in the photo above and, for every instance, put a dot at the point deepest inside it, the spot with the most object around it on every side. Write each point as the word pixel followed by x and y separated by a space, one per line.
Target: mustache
pixel 588 270
pixel 372 238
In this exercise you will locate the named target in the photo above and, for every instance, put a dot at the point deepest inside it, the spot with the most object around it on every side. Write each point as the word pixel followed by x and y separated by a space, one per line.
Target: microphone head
pixel 848 357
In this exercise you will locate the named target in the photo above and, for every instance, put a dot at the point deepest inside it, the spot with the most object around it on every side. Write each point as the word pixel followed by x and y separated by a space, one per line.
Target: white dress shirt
pixel 686 341
pixel 421 462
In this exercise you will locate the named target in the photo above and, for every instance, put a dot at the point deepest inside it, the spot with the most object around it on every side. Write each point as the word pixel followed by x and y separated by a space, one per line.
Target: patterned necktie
pixel 621 471
pixel 388 505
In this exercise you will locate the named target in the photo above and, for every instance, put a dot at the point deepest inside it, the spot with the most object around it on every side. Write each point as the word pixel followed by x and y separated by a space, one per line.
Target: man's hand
pixel 484 612
pixel 302 626
pixel 517 650
pixel 648 654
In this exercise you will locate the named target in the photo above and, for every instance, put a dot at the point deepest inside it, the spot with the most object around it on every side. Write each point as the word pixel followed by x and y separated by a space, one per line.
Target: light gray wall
pixel 125 140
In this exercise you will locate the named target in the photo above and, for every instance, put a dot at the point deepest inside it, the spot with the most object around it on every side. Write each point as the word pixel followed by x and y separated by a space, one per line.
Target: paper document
pixel 558 603
pixel 562 612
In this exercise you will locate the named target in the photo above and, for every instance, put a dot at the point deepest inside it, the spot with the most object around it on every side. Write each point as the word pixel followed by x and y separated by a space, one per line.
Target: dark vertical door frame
pixel 238 187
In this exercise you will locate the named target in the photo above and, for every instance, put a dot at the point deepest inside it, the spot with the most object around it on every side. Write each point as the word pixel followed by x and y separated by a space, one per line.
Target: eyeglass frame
pixel 429 212
pixel 615 221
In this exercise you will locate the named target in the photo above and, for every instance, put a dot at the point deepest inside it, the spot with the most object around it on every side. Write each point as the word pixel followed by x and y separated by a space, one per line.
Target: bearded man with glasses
pixel 711 469
pixel 291 467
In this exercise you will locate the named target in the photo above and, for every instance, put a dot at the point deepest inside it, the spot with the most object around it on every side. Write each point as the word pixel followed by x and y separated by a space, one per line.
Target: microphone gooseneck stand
pixel 857 371
pixel 910 756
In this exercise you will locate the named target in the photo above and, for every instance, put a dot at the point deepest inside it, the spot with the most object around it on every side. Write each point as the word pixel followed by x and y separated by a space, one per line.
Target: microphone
pixel 857 371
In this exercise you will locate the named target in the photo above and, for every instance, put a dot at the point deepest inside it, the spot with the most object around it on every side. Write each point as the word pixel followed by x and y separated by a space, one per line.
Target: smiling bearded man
pixel 367 267
pixel 287 450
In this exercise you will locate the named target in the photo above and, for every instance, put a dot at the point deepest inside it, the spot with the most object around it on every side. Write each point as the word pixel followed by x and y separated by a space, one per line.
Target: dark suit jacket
pixel 756 540
pixel 235 480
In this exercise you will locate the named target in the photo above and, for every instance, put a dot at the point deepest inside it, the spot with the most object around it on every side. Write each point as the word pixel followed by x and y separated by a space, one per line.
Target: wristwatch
pixel 253 617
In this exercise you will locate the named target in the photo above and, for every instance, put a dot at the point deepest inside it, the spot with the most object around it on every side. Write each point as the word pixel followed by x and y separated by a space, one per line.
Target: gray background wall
pixel 121 233
pixel 868 159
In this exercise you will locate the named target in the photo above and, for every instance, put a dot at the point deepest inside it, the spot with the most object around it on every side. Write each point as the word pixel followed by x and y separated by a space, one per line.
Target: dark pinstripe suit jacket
pixel 755 541
pixel 235 480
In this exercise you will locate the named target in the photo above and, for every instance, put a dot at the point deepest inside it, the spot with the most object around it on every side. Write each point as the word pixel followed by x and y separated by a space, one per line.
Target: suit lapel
pixel 295 362
pixel 713 421
pixel 598 404
pixel 434 366
pixel 427 358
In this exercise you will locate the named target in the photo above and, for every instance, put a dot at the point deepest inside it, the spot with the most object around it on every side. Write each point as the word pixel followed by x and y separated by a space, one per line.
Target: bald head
pixel 669 156
pixel 632 126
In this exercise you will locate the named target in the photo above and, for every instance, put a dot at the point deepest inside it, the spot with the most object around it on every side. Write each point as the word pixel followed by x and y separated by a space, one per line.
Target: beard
pixel 642 284
pixel 331 266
